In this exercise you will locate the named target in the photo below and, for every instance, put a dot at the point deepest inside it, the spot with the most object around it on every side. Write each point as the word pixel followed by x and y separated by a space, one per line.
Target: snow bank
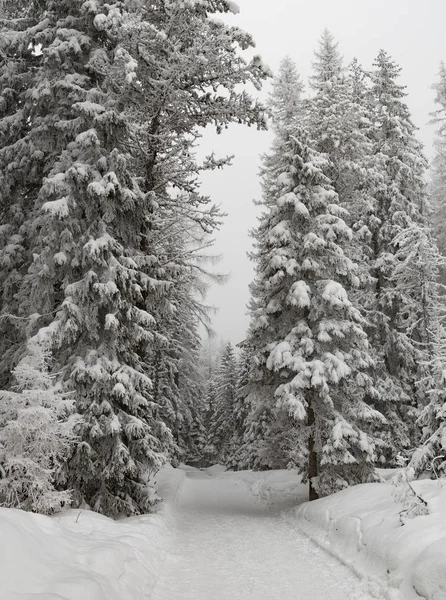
pixel 361 527
pixel 81 555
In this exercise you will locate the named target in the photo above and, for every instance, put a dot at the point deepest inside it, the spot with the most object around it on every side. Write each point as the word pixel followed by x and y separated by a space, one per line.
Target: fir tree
pixel 240 408
pixel 285 99
pixel 96 138
pixel 37 435
pixel 310 346
pixel 395 207
pixel 327 66
pixel 222 424
pixel 438 170
pixel 338 122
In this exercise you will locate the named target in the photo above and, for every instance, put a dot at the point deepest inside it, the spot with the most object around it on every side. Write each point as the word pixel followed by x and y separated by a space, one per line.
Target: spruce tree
pixel 395 206
pixel 36 435
pixel 240 408
pixel 327 66
pixel 438 167
pixel 285 99
pixel 98 133
pixel 338 121
pixel 222 419
pixel 310 346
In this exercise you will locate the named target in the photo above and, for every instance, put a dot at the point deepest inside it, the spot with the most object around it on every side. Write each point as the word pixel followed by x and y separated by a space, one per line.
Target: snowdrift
pixel 361 526
pixel 81 555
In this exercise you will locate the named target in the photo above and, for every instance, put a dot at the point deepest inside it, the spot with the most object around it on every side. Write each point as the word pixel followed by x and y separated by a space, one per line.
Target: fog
pixel 411 31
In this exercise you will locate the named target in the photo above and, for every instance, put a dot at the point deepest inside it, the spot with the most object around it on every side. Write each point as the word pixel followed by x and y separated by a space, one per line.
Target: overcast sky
pixel 412 31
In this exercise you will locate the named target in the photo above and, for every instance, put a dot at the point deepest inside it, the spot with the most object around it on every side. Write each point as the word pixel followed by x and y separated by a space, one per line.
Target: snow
pixel 361 526
pixel 299 294
pixel 234 8
pixel 233 536
pixel 335 294
pixel 57 208
pixel 84 556
pixel 233 544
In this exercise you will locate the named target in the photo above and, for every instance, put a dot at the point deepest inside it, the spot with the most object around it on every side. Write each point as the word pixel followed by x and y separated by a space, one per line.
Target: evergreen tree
pixel 395 206
pixel 98 134
pixel 36 435
pixel 338 123
pixel 438 170
pixel 327 66
pixel 285 99
pixel 310 346
pixel 430 455
pixel 255 448
pixel 240 408
pixel 222 420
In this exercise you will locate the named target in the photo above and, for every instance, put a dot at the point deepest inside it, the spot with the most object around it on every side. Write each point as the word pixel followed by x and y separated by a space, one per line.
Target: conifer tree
pixel 260 422
pixel 430 456
pixel 222 423
pixel 337 121
pixel 285 99
pixel 97 136
pixel 36 435
pixel 327 66
pixel 438 169
pixel 240 408
pixel 396 207
pixel 310 346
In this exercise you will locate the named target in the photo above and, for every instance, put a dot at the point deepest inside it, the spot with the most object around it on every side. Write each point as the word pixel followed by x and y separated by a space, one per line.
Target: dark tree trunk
pixel 312 456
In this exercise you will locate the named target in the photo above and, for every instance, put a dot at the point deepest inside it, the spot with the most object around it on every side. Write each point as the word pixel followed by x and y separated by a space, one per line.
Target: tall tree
pixel 97 141
pixel 438 170
pixel 396 204
pixel 310 347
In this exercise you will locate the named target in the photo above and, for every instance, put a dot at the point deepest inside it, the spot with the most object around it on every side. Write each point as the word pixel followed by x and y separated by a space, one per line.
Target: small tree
pixel 221 425
pixel 37 436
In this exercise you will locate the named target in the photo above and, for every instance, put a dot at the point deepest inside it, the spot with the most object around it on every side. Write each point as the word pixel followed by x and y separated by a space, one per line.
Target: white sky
pixel 412 31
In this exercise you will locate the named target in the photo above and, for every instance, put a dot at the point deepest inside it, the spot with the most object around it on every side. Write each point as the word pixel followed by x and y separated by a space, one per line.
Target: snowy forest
pixel 106 257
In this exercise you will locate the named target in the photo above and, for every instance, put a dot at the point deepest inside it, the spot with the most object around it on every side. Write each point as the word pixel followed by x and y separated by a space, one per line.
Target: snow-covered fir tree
pixel 309 341
pixel 241 408
pixel 285 99
pixel 438 167
pixel 327 66
pixel 221 422
pixel 36 435
pixel 417 277
pixel 337 120
pixel 395 207
pixel 93 143
pixel 430 456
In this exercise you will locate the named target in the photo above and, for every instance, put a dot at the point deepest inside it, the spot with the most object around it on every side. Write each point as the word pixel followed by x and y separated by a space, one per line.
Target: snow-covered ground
pixel 81 555
pixel 230 546
pixel 362 527
pixel 232 536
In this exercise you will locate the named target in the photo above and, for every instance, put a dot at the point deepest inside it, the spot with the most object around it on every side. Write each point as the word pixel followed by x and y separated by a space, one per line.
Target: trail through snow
pixel 230 546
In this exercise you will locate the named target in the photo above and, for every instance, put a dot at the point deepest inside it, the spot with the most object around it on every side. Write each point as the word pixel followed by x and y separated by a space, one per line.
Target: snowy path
pixel 228 546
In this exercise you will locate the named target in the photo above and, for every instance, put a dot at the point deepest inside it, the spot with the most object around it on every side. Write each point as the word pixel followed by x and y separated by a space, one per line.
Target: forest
pixel 106 257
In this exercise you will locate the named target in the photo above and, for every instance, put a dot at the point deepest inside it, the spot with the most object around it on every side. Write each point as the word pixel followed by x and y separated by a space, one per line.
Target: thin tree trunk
pixel 312 456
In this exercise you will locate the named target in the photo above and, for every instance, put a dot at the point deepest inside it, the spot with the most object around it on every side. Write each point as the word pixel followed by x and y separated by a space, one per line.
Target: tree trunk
pixel 312 456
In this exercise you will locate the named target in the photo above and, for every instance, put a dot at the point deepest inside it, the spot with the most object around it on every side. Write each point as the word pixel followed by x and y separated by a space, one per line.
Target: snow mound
pixel 361 526
pixel 81 555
